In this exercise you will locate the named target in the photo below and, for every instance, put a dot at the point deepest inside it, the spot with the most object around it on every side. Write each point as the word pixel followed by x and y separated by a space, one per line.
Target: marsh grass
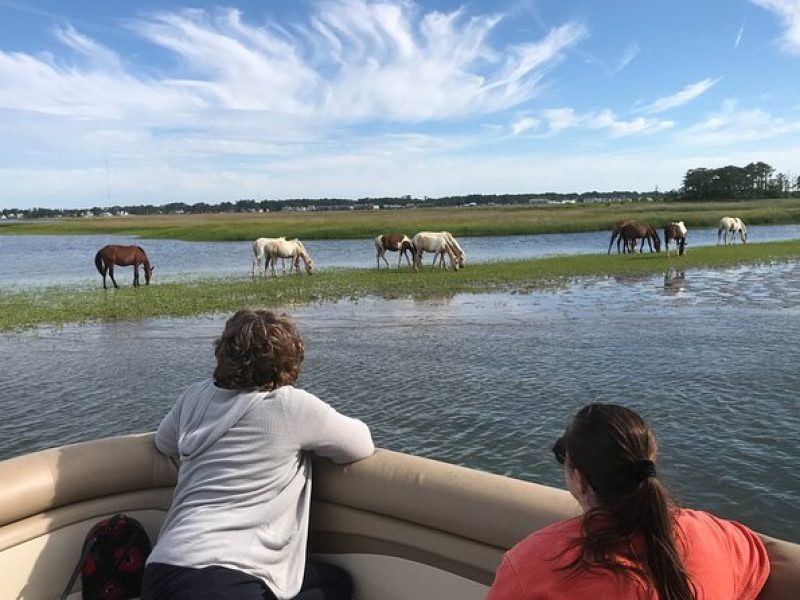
pixel 31 308
pixel 506 220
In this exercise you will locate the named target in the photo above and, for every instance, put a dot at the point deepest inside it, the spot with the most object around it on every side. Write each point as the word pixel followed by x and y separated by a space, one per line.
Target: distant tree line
pixel 756 180
pixel 322 204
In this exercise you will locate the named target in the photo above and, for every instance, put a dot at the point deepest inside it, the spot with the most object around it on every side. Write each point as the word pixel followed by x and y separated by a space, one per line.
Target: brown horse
pixel 395 242
pixel 675 231
pixel 616 234
pixel 634 231
pixel 123 256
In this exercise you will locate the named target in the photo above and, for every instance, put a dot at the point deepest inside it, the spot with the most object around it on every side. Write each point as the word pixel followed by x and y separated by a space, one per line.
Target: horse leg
pixel 382 255
pixel 111 274
pixel 135 275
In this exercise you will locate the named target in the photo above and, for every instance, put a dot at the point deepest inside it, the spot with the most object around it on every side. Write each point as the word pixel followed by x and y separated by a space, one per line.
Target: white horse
pixel 732 225
pixel 461 256
pixel 273 248
pixel 440 243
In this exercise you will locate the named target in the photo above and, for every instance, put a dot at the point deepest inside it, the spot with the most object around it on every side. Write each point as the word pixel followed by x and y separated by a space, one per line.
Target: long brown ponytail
pixel 614 449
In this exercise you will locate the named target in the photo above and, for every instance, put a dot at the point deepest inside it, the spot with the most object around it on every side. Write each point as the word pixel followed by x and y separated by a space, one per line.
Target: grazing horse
pixel 633 231
pixel 273 248
pixel 616 234
pixel 440 243
pixel 394 242
pixel 732 225
pixel 123 256
pixel 675 231
pixel 461 256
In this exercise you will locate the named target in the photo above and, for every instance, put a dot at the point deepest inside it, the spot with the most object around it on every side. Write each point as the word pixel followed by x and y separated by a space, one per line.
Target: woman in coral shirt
pixel 631 541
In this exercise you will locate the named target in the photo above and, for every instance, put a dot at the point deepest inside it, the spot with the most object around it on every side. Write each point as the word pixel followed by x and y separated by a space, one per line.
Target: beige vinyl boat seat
pixel 403 526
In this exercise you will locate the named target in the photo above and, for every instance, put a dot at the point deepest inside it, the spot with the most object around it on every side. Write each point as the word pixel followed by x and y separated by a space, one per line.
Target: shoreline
pixel 33 307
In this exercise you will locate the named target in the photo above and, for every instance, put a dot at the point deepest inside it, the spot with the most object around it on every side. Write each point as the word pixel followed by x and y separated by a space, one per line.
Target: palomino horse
pixel 123 256
pixel 272 249
pixel 633 231
pixel 439 243
pixel 732 225
pixel 616 234
pixel 675 231
pixel 394 242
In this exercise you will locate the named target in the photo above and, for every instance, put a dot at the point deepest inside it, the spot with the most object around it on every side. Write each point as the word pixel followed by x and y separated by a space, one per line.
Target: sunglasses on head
pixel 560 451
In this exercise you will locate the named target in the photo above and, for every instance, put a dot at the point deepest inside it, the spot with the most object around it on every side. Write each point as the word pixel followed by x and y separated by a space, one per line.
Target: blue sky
pixel 348 98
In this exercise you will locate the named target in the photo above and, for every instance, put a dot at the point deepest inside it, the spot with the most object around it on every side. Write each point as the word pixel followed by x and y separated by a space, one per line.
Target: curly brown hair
pixel 258 350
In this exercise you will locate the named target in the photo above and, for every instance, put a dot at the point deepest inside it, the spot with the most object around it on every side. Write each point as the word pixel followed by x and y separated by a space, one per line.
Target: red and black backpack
pixel 112 560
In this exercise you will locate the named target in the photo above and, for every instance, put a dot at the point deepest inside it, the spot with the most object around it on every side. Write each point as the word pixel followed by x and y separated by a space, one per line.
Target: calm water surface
pixel 710 358
pixel 46 260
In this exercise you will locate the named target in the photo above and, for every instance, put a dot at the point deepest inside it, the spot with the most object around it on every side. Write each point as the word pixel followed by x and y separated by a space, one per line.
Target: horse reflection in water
pixel 674 282
pixel 122 256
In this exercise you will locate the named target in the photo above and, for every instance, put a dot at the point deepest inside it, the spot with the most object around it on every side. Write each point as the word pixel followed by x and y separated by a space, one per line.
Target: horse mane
pixel 300 245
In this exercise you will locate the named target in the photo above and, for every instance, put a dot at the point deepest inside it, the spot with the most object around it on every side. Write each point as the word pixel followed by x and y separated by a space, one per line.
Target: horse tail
pixel 98 261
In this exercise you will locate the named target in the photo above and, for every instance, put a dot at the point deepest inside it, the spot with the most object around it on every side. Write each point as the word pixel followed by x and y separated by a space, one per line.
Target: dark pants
pixel 322 581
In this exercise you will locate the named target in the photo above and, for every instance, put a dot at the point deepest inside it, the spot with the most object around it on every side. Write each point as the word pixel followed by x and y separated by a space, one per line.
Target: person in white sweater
pixel 238 523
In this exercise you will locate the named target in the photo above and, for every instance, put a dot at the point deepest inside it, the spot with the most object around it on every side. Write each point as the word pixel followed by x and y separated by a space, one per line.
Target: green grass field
pixel 32 308
pixel 510 220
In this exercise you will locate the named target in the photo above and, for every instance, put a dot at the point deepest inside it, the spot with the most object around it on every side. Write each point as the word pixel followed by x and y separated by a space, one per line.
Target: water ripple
pixel 708 357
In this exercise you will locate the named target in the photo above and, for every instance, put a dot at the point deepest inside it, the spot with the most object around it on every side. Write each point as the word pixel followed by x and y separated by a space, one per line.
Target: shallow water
pixel 45 260
pixel 488 381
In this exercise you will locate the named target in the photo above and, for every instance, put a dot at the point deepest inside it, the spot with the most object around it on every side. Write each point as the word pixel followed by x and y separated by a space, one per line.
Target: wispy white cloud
pixel 687 94
pixel 733 125
pixel 789 13
pixel 561 119
pixel 631 51
pixel 353 61
pixel 607 120
pixel 524 124
pixel 739 37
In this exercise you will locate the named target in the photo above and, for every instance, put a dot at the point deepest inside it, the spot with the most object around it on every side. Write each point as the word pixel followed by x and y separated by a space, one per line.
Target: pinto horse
pixel 675 231
pixel 634 231
pixel 732 225
pixel 616 234
pixel 123 256
pixel 394 242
